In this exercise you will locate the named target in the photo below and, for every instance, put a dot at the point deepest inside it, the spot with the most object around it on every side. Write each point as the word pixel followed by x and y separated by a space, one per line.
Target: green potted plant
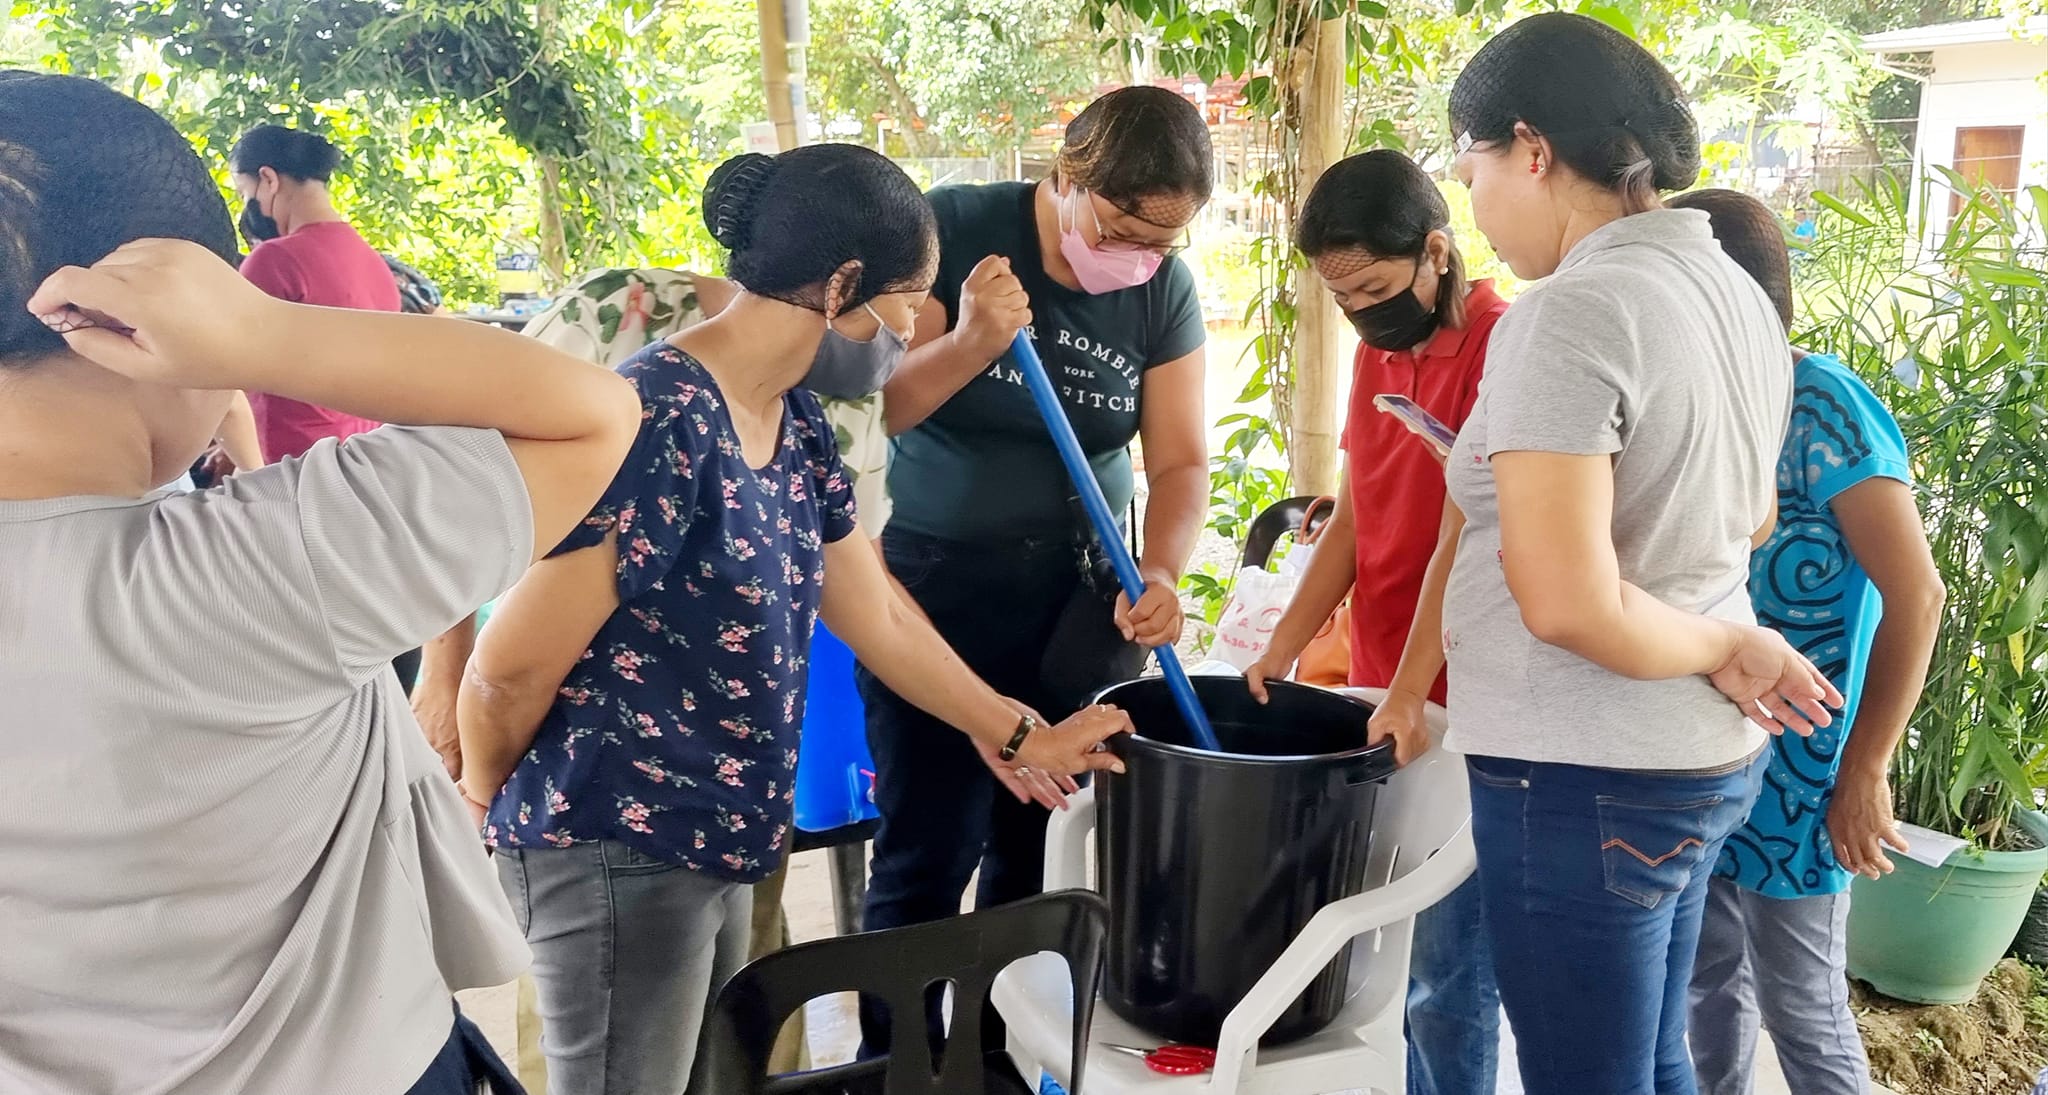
pixel 1953 335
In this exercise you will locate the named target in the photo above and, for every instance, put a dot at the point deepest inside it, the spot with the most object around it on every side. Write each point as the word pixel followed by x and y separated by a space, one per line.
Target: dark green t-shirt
pixel 982 467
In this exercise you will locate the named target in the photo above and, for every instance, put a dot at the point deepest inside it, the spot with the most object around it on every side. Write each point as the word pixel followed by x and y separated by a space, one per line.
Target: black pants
pixel 466 1061
pixel 1034 618
pixel 407 666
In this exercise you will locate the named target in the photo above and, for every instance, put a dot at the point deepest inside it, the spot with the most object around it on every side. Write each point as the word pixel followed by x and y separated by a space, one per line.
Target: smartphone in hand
pixel 1419 422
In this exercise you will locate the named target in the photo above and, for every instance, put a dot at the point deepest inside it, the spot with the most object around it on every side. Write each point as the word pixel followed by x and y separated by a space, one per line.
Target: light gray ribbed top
pixel 1652 348
pixel 230 862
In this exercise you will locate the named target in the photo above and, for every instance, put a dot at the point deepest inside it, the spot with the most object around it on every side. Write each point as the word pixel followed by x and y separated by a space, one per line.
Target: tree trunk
pixel 554 244
pixel 1312 452
pixel 909 121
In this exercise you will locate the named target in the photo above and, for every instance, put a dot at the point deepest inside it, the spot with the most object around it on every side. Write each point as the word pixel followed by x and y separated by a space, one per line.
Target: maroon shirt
pixel 326 264
pixel 1397 487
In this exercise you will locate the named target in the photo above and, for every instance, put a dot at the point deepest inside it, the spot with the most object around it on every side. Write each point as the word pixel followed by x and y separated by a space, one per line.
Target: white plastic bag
pixel 1257 600
pixel 1294 564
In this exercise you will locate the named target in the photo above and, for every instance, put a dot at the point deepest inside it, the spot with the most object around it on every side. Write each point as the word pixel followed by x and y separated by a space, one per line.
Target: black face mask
pixel 1399 322
pixel 257 226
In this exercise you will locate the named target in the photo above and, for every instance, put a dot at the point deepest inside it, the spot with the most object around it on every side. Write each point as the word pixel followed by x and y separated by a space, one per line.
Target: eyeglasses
pixel 1124 245
pixel 1120 245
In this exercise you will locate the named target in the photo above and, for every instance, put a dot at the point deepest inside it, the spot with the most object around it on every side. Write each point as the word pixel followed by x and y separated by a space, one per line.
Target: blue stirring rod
pixel 1106 531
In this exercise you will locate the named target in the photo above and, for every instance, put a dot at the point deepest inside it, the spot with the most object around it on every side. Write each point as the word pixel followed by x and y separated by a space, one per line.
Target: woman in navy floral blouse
pixel 629 725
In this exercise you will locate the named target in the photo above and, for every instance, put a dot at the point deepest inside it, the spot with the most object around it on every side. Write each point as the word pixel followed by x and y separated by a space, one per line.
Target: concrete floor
pixel 834 1033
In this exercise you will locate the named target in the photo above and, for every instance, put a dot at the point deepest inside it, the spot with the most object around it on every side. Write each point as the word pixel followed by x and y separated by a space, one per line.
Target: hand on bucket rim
pixel 1069 748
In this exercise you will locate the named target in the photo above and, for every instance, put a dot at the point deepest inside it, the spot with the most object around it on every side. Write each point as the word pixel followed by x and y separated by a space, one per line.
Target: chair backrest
pixel 1265 531
pixel 900 967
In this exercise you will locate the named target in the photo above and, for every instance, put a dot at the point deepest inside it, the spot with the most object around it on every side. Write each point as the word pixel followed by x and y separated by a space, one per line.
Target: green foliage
pixel 1742 71
pixel 486 52
pixel 1240 488
pixel 441 191
pixel 960 77
pixel 1955 341
pixel 448 109
pixel 1221 259
pixel 1244 479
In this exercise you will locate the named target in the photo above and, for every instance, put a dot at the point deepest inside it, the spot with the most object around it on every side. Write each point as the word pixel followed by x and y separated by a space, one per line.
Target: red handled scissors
pixel 1172 1060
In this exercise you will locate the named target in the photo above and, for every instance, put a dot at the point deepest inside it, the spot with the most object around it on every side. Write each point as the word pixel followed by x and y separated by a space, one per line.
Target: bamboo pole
pixel 1312 459
pixel 775 72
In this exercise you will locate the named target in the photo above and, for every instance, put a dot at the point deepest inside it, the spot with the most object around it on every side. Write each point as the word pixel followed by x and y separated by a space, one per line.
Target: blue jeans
pixel 1453 1024
pixel 1594 882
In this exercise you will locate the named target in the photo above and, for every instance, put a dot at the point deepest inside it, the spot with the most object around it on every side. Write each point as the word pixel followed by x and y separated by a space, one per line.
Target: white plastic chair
pixel 1421 851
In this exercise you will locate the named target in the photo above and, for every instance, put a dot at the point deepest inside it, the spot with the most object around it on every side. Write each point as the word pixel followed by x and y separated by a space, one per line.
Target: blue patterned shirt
pixel 1808 587
pixel 676 732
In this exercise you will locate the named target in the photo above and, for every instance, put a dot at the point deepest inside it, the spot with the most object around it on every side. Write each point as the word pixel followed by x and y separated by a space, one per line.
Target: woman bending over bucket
pixel 987 535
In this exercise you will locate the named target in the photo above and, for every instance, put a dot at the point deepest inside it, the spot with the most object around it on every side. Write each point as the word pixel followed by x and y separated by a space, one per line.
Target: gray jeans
pixel 1779 962
pixel 628 951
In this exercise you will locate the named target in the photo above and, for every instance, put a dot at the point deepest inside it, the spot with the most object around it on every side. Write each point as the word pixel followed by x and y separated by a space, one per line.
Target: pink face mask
pixel 1097 270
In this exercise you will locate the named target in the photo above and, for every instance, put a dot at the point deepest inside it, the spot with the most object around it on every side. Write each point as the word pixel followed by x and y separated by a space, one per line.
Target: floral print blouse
pixel 676 732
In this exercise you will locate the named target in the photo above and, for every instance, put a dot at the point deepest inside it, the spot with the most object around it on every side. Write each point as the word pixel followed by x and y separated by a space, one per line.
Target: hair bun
pixel 732 195
pixel 1672 142
pixel 317 156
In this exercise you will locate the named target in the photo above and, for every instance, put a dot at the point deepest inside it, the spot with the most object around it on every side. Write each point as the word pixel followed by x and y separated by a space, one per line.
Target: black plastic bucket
pixel 1213 862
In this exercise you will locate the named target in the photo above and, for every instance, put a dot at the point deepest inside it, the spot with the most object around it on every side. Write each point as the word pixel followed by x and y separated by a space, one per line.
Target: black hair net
pixel 83 170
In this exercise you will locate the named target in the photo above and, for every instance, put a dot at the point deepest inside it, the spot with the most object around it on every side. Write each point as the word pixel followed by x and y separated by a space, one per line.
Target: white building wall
pixel 1994 84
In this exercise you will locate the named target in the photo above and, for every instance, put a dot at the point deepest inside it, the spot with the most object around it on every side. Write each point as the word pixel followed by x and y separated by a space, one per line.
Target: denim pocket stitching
pixel 631 860
pixel 1517 782
pixel 1512 783
pixel 525 910
pixel 1688 842
pixel 1611 842
pixel 1704 803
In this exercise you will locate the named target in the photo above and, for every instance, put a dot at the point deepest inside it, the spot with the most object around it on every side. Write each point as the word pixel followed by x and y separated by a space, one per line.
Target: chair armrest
pixel 1337 924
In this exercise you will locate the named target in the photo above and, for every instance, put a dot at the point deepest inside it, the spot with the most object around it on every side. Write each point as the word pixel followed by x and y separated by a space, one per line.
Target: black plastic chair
pixel 903 967
pixel 1279 519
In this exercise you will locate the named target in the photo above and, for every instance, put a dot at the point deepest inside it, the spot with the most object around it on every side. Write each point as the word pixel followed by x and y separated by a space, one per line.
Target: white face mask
pixel 845 368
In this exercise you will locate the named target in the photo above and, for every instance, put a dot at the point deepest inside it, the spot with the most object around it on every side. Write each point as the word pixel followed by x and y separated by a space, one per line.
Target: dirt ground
pixel 1995 1045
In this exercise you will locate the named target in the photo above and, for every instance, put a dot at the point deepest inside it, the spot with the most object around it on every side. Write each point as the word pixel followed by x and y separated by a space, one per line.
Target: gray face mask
pixel 848 369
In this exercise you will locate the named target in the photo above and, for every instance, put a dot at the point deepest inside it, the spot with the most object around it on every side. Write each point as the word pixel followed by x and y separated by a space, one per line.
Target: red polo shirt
pixel 1397 487
pixel 326 264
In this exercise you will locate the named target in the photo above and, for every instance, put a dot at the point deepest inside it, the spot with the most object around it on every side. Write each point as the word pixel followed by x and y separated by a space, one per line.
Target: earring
pixel 1536 167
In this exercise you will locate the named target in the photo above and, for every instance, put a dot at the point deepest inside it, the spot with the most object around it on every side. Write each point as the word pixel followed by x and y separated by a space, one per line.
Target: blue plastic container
pixel 835 783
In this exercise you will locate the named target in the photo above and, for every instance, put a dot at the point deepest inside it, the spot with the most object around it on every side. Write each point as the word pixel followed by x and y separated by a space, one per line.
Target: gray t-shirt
pixel 231 862
pixel 1651 345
